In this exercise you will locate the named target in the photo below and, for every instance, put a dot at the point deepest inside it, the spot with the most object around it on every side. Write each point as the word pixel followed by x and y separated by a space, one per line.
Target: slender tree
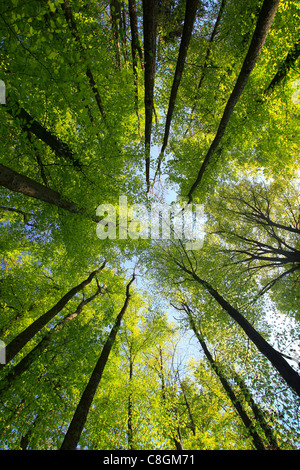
pixel 30 125
pixel 190 16
pixel 74 30
pixel 291 377
pixel 76 426
pixel 264 22
pixel 15 346
pixel 150 8
pixel 130 402
pixel 27 360
pixel 284 67
pixel 207 55
pixel 136 51
pixel 257 441
pixel 19 183
pixel 257 411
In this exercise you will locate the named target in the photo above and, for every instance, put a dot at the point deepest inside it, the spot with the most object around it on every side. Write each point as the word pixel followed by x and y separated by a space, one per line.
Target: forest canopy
pixel 112 336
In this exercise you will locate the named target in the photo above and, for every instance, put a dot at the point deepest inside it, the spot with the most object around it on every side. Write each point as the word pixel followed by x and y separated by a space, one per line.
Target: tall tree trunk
pixel 74 431
pixel 264 22
pixel 207 54
pixel 291 377
pixel 135 42
pixel 259 415
pixel 130 405
pixel 115 13
pixel 284 67
pixel 178 438
pixel 192 425
pixel 190 16
pixel 14 181
pixel 32 126
pixel 257 441
pixel 73 28
pixel 135 51
pixel 150 9
pixel 27 360
pixel 15 346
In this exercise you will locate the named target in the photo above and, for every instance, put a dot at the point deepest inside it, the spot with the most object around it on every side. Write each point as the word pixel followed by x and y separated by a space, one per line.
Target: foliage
pixel 76 121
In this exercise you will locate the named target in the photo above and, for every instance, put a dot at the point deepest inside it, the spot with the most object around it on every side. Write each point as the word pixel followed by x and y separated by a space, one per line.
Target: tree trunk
pixel 135 51
pixel 130 406
pixel 260 34
pixel 115 13
pixel 31 125
pixel 73 28
pixel 190 15
pixel 284 67
pixel 14 181
pixel 135 42
pixel 192 425
pixel 27 360
pixel 259 416
pixel 178 439
pixel 258 443
pixel 74 431
pixel 291 377
pixel 150 8
pixel 15 346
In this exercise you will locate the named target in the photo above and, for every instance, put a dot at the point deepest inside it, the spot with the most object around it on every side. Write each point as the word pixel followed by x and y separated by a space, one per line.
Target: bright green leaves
pixel 61 68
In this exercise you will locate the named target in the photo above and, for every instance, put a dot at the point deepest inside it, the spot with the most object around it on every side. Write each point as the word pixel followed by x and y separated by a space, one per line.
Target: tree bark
pixel 257 441
pixel 15 346
pixel 291 377
pixel 264 22
pixel 31 125
pixel 14 181
pixel 73 28
pixel 130 406
pixel 27 360
pixel 75 429
pixel 150 9
pixel 258 414
pixel 190 15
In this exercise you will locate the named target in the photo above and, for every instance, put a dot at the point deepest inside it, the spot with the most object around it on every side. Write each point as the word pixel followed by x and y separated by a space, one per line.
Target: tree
pixel 267 235
pixel 149 34
pixel 12 180
pixel 264 22
pixel 26 362
pixel 275 357
pixel 25 336
pixel 158 101
pixel 257 441
pixel 74 431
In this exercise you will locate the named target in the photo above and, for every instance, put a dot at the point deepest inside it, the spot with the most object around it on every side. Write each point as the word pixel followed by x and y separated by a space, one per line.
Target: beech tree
pixel 181 101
